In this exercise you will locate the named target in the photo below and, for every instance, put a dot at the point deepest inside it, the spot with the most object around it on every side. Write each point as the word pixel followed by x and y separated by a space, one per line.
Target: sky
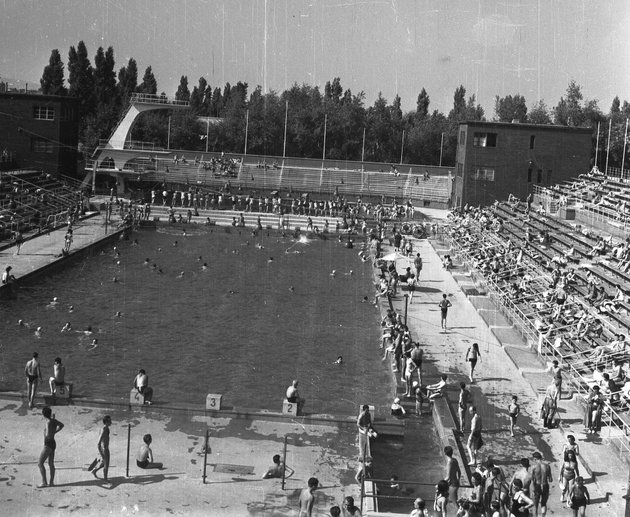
pixel 527 47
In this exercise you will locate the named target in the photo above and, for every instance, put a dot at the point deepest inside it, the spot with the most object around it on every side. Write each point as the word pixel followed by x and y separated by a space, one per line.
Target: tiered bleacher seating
pixel 33 201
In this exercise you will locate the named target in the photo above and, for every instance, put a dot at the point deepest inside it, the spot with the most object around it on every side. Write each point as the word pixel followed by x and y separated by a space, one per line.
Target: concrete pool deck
pixel 242 447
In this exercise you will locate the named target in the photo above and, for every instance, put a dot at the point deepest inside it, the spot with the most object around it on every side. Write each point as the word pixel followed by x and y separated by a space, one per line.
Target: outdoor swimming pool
pixel 244 327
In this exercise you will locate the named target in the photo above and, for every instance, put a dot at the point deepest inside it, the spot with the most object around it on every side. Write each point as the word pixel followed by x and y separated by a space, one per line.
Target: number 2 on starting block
pixel 289 408
pixel 213 401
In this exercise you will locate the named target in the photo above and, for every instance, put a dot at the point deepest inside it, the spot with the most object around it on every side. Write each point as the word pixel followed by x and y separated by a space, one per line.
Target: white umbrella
pixel 394 255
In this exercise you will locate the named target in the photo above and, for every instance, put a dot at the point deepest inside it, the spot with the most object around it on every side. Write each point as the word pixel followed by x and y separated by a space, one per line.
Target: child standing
pixel 472 356
pixel 513 410
pixel 444 305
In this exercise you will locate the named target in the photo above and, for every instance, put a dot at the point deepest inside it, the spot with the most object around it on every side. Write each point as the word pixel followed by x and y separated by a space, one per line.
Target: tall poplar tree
pixel 52 78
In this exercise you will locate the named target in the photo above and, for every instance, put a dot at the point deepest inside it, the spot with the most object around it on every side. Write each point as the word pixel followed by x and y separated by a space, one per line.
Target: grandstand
pixel 558 268
pixel 32 202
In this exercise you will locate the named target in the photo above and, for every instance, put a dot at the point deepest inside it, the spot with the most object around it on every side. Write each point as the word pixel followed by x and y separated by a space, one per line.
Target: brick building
pixel 495 159
pixel 39 132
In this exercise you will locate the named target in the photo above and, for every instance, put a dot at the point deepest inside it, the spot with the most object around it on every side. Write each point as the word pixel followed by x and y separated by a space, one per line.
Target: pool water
pixel 265 311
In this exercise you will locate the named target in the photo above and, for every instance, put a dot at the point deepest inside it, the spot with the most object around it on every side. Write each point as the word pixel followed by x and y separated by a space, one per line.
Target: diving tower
pixel 119 149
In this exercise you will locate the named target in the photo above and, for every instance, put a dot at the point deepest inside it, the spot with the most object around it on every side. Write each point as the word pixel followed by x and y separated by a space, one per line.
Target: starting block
pixel 213 401
pixel 136 398
pixel 289 408
pixel 63 391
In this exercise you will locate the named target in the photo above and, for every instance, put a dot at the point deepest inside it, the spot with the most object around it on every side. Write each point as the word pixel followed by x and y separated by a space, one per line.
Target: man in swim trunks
pixel 144 458
pixel 541 477
pixel 307 498
pixel 59 375
pixel 33 376
pixel 53 426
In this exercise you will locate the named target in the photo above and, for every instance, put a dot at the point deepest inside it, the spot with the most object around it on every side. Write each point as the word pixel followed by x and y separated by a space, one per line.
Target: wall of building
pixel 523 155
pixel 40 131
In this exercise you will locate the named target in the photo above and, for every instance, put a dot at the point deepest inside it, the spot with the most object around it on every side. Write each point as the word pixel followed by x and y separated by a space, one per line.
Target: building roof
pixel 32 96
pixel 519 125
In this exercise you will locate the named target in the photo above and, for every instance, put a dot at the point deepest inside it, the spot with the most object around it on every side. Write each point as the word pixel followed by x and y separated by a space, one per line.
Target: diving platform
pixel 139 103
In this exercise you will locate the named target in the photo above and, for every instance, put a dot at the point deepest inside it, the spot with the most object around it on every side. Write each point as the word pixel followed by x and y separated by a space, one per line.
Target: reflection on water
pixel 262 311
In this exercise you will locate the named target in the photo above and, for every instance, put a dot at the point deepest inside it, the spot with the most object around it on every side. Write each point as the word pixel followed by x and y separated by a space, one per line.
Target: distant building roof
pixel 537 127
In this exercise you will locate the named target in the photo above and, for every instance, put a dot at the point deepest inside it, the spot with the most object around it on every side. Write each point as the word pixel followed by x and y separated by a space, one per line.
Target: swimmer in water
pixel 259 246
pixel 270 260
pixel 71 308
pixel 199 258
pixel 333 273
pixel 67 327
pixel 175 244
pixel 339 360
pixel 204 267
pixel 135 242
pixel 146 262
pixel 115 280
pixel 365 299
pixel 349 273
pixel 53 304
pixel 93 345
pixel 181 275
pixel 160 250
pixel 118 314
pixel 38 332
pixel 291 288
pixel 184 234
pixel 88 330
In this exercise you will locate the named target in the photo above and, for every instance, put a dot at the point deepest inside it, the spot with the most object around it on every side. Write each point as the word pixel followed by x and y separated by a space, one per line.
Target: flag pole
pixel 286 116
pixel 608 146
pixel 623 156
pixel 246 129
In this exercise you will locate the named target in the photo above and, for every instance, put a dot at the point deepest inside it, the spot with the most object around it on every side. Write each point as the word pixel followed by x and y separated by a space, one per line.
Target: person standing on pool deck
pixel 364 423
pixel 307 498
pixel 33 374
pixel 53 426
pixel 444 305
pixel 474 440
pixel 103 448
pixel 472 356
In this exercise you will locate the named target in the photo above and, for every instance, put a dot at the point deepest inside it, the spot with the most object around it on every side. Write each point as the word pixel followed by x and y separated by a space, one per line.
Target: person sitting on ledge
pixel 144 458
pixel 141 383
pixel 58 378
pixel 294 396
pixel 438 389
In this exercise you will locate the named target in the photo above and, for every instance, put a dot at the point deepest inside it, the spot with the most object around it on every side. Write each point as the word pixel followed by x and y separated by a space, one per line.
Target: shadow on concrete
pixel 116 481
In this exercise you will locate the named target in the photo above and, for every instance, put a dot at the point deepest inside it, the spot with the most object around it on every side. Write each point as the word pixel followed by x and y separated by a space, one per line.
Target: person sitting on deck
pixel 438 389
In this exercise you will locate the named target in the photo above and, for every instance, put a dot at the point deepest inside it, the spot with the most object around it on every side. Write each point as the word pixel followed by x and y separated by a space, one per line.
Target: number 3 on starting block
pixel 213 401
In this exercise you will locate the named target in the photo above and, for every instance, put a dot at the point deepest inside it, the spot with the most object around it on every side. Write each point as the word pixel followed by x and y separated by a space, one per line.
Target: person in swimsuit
pixel 568 472
pixel 444 305
pixel 307 498
pixel 520 502
pixel 33 376
pixel 513 410
pixel 144 458
pixel 472 356
pixel 53 426
pixel 59 375
pixel 103 448
pixel 579 497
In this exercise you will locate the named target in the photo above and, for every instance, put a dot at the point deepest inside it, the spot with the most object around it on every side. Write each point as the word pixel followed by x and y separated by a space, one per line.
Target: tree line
pixel 380 132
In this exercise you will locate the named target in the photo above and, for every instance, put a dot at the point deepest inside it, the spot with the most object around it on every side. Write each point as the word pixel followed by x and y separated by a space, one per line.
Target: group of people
pixel 144 457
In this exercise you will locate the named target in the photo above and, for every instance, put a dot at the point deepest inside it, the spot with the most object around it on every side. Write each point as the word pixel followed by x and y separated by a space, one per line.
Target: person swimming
pixel 38 332
pixel 67 327
pixel 204 267
pixel 270 260
pixel 52 304
pixel 349 273
pixel 339 360
pixel 71 308
pixel 181 275
pixel 118 314
pixel 146 262
pixel 333 273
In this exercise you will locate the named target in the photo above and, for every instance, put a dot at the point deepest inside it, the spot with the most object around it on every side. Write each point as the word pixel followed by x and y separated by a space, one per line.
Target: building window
pixel 462 137
pixel 482 174
pixel 39 145
pixel 485 140
pixel 532 141
pixel 43 113
pixel 539 176
pixel 529 175
pixel 460 170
